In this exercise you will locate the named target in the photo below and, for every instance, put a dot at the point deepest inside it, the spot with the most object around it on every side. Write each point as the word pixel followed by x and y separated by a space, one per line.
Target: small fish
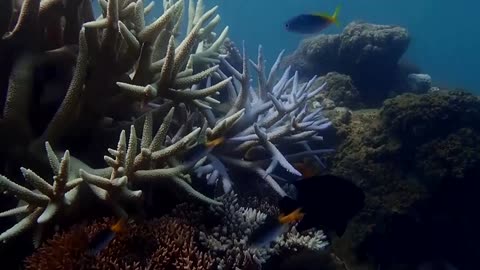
pixel 272 228
pixel 306 168
pixel 202 148
pixel 311 23
pixel 105 236
pixel 328 202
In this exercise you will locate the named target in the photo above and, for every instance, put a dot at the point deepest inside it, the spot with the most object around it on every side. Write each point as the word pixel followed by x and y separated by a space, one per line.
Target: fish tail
pixel 306 170
pixel 335 16
pixel 292 217
pixel 120 226
pixel 215 142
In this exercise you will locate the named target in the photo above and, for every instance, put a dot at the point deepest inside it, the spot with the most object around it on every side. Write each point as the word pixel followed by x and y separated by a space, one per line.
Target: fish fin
pixel 100 241
pixel 292 217
pixel 215 142
pixel 306 170
pixel 287 205
pixel 322 14
pixel 119 226
pixel 334 17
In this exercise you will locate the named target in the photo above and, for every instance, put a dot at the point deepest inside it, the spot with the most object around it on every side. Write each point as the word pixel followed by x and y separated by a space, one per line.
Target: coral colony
pixel 158 85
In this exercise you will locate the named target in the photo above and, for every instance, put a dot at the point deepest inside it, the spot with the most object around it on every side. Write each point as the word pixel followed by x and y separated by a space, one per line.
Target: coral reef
pixel 147 55
pixel 181 240
pixel 165 243
pixel 455 156
pixel 340 89
pixel 150 87
pixel 259 123
pixel 419 118
pixel 368 53
pixel 228 241
pixel 403 156
pixel 419 83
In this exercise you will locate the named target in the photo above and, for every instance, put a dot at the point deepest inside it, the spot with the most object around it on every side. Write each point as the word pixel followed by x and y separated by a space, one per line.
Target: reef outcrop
pixel 368 53
pixel 413 157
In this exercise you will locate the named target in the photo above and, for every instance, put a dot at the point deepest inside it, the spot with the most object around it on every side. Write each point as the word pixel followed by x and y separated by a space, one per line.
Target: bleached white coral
pixel 292 240
pixel 229 240
pixel 274 117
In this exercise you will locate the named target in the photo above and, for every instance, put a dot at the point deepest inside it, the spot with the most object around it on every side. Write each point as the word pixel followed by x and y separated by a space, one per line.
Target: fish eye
pixel 287 25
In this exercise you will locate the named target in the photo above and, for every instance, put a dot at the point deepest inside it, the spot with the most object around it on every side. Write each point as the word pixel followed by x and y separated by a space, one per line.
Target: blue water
pixel 445 34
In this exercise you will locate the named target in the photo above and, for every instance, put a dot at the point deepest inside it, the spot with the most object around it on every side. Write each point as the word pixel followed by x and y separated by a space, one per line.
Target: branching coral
pixel 273 115
pixel 181 240
pixel 120 61
pixel 165 243
pixel 124 74
pixel 228 241
pixel 43 205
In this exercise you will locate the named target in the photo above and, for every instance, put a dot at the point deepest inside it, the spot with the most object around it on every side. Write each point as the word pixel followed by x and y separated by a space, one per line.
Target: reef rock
pixel 369 53
pixel 377 47
pixel 340 90
pixel 412 157
pixel 419 83
pixel 418 119
pixel 316 55
pixel 341 115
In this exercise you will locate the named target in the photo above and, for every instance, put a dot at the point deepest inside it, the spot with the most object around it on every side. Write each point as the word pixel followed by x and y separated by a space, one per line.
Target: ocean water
pixel 444 34
pixel 389 185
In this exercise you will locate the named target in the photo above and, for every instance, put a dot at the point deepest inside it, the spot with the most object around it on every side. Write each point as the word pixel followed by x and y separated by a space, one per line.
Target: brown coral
pixel 165 243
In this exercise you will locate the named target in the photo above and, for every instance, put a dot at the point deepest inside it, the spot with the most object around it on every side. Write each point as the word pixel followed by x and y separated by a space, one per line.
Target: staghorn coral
pixel 124 75
pixel 112 53
pixel 165 243
pixel 41 206
pixel 120 62
pixel 260 122
pixel 112 184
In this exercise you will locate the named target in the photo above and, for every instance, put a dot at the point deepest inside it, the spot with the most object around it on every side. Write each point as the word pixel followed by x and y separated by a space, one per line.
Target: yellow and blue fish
pixel 312 23
pixel 326 202
pixel 101 240
pixel 202 148
pixel 273 227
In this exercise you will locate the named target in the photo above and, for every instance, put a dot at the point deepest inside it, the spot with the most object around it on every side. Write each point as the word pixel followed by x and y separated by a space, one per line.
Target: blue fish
pixel 269 231
pixel 311 23
pixel 201 149
pixel 101 240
